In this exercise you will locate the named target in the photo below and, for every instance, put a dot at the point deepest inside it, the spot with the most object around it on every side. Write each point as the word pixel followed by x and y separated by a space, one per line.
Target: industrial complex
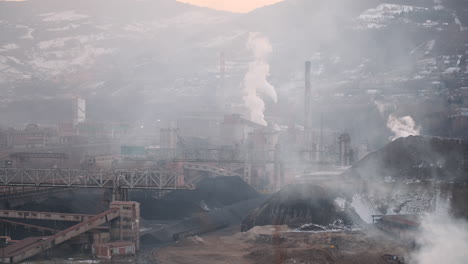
pixel 322 132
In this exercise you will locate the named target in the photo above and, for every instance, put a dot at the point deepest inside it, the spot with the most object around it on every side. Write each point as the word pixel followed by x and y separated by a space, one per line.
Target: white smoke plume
pixel 442 240
pixel 255 81
pixel 383 107
pixel 402 127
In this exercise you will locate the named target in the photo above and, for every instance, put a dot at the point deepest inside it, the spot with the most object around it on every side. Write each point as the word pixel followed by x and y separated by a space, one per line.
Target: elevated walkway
pixel 44 215
pixel 123 218
pixel 32 246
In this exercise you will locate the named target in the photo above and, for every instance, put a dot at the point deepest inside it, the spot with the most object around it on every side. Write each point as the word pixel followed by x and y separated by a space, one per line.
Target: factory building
pixel 32 136
pixel 200 126
pixel 235 130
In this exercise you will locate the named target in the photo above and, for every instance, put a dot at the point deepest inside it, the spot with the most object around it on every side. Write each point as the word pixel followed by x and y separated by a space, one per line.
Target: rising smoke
pixel 256 84
pixel 442 240
pixel 402 126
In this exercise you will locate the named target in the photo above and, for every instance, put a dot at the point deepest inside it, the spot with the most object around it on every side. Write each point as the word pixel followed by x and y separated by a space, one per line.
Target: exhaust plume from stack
pixel 255 81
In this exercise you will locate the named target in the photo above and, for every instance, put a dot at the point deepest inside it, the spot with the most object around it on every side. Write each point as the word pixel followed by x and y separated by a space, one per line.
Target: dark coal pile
pixel 415 158
pixel 203 223
pixel 210 194
pixel 298 205
pixel 413 175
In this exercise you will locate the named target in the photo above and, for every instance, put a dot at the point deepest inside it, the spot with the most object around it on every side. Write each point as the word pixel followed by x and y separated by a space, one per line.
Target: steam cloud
pixel 255 81
pixel 442 240
pixel 402 127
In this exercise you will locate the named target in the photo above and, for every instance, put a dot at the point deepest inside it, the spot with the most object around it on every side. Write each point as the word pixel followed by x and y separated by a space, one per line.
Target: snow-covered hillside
pixel 155 48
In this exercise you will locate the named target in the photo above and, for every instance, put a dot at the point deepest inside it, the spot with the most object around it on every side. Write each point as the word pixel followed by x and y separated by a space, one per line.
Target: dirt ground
pixel 278 244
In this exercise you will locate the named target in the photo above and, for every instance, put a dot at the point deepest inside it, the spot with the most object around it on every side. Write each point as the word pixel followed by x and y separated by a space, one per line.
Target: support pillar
pixel 278 170
pixel 282 179
pixel 127 226
pixel 119 194
pixel 248 173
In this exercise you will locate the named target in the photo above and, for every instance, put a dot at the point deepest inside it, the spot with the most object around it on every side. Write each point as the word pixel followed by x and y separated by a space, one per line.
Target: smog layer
pixel 301 132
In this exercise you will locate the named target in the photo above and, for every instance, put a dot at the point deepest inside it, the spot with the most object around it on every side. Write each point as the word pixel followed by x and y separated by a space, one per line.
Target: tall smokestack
pixel 308 87
pixel 222 76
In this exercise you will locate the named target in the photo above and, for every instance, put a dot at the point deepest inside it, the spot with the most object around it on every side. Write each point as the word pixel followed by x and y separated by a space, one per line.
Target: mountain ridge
pixel 92 50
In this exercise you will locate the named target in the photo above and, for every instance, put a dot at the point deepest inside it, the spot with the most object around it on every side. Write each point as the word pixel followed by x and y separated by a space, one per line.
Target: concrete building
pixel 79 110
pixel 46 111
pixel 101 130
pixel 111 249
pixel 198 126
pixel 33 136
pixel 235 130
pixel 264 138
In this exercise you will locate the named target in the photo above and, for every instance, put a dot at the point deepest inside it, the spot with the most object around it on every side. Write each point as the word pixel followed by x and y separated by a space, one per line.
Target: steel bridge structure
pixel 107 179
pixel 122 180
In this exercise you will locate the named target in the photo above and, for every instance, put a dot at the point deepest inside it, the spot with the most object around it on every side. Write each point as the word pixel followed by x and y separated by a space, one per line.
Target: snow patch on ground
pixel 8 72
pixel 387 11
pixel 65 28
pixel 104 27
pixel 409 198
pixel 457 21
pixel 61 42
pixel 451 70
pixel 54 43
pixel 29 32
pixel 69 15
pixel 383 13
pixel 204 206
pixel 341 203
pixel 338 226
pixel 83 57
pixel 52 67
pixel 430 46
pixel 90 54
pixel 7 47
pixel 430 24
pixel 143 229
pixel 15 60
pixel 137 27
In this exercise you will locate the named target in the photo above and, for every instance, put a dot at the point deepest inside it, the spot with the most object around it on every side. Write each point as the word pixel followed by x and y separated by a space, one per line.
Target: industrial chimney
pixel 308 135
pixel 308 87
pixel 344 144
pixel 220 92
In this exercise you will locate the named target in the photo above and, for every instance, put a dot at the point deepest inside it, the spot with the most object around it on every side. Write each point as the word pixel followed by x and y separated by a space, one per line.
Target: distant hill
pixel 158 50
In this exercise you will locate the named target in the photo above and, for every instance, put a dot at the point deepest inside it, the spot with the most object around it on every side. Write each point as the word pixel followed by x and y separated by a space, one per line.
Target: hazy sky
pixel 229 5
pixel 232 5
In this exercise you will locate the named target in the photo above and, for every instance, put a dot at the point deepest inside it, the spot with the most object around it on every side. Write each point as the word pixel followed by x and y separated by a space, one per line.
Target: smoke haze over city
pixel 265 131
